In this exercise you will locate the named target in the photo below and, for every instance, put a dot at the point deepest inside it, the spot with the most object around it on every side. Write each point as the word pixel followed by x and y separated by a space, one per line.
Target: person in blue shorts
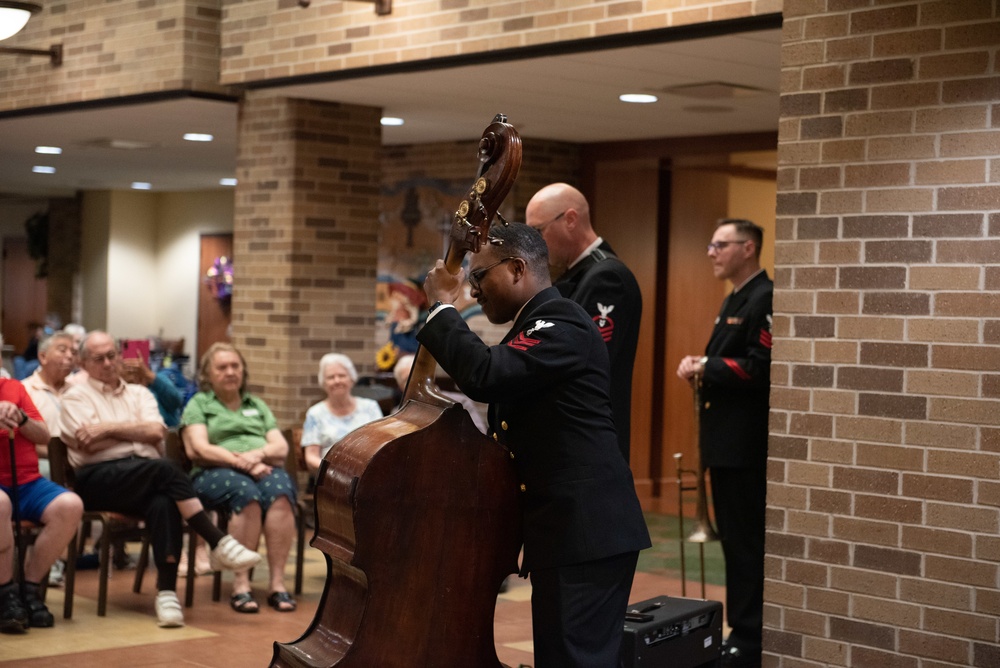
pixel 39 500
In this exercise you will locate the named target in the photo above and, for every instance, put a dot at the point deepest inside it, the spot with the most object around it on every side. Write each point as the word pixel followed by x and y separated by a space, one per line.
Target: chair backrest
pixel 62 472
pixel 173 448
pixel 295 462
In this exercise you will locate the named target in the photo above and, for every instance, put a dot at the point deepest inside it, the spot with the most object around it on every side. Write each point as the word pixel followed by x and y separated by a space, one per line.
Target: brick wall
pixel 262 42
pixel 884 500
pixel 306 235
pixel 113 48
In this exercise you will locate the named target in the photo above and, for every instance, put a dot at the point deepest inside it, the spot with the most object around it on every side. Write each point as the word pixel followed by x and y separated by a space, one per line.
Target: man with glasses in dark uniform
pixel 547 388
pixel 734 374
pixel 585 269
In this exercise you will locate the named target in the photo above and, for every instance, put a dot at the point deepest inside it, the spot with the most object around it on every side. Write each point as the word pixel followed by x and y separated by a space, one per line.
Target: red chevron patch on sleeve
pixel 736 368
pixel 765 338
pixel 522 342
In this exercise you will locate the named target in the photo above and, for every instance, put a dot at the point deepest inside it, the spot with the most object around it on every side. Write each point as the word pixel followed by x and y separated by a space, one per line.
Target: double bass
pixel 417 513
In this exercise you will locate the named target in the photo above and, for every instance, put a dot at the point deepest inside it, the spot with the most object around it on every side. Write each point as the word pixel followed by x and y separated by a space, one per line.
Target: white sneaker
pixel 230 555
pixel 169 614
pixel 57 574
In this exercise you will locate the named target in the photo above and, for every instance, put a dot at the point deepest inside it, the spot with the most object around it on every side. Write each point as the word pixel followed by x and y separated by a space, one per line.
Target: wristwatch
pixel 435 306
pixel 24 418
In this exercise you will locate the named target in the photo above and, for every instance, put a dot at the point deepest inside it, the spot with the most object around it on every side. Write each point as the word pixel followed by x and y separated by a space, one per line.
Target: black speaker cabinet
pixel 666 632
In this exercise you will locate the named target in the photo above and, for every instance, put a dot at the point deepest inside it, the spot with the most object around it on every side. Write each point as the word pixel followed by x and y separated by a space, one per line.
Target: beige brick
pixel 836 452
pixel 836 402
pixel 943 331
pixel 944 278
pixel 942 383
pixel 951 171
pixel 881 610
pixel 841 201
pixel 964 411
pixel 839 252
pixel 864 582
pixel 952 118
pixel 985 520
pixel 897 199
pixel 871 328
pixel 868 429
pixel 941 435
pixel 965 144
pixel 899 148
pixel 938 594
pixel 879 123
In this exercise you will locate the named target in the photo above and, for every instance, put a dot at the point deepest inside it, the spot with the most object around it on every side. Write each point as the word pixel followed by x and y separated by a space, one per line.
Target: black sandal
pixel 277 599
pixel 244 602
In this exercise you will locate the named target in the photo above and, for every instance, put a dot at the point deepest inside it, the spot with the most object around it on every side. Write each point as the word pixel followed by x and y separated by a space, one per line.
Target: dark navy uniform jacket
pixel 547 386
pixel 609 293
pixel 736 383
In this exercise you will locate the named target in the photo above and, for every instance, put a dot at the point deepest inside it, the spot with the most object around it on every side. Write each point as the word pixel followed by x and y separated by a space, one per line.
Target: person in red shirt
pixel 40 500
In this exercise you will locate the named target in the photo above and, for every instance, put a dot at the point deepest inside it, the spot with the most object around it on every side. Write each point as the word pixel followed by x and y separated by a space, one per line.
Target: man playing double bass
pixel 547 385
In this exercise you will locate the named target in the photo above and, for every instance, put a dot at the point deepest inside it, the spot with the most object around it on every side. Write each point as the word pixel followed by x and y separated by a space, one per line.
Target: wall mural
pixel 414 225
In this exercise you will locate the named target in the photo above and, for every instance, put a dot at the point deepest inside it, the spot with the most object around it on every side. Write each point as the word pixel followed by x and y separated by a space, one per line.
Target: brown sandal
pixel 244 602
pixel 281 601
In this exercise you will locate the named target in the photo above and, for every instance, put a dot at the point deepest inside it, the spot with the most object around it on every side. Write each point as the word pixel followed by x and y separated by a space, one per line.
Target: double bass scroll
pixel 417 513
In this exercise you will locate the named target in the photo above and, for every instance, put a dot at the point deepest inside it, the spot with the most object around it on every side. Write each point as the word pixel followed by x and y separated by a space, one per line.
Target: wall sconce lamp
pixel 382 7
pixel 13 17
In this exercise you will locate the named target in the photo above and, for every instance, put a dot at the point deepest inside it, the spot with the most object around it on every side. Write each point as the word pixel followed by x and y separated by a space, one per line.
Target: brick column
pixel 883 497
pixel 305 242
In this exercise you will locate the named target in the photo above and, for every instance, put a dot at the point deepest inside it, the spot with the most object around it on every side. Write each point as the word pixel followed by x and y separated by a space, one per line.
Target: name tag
pixel 250 412
pixel 734 321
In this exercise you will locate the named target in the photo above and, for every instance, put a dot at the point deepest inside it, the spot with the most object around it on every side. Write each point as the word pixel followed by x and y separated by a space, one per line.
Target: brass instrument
pixel 703 531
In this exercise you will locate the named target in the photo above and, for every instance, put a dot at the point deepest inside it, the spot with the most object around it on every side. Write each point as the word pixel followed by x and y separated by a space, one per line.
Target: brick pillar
pixel 883 496
pixel 305 242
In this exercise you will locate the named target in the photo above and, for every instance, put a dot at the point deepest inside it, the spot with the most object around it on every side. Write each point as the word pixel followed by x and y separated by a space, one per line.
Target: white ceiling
pixel 572 98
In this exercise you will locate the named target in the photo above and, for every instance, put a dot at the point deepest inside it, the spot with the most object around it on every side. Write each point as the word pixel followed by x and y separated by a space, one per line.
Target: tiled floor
pixel 218 637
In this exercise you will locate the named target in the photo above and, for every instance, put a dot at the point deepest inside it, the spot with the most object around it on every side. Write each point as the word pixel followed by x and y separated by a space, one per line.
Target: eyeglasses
pixel 107 357
pixel 719 245
pixel 541 228
pixel 476 276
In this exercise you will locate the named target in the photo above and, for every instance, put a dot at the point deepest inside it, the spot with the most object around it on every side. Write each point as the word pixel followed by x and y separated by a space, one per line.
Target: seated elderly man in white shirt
pixel 114 433
pixel 47 385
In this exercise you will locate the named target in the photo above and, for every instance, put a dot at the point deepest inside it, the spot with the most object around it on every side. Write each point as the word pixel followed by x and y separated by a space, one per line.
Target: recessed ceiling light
pixel 43 169
pixel 637 98
pixel 707 109
pixel 714 90
pixel 392 120
pixel 48 150
pixel 141 185
pixel 198 136
pixel 227 182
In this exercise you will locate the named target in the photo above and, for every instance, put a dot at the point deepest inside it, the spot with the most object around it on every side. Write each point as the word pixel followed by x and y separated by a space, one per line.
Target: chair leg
pixel 143 563
pixel 70 579
pixel 300 549
pixel 105 567
pixel 189 585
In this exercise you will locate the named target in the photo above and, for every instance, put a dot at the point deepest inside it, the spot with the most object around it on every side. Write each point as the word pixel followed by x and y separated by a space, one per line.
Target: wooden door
pixel 24 296
pixel 214 315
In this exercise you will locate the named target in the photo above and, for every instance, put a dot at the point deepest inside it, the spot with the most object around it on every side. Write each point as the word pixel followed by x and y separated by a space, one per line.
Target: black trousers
pixel 149 488
pixel 738 495
pixel 578 612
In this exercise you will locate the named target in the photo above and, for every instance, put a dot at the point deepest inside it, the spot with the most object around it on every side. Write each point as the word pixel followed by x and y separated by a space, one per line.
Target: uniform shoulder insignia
pixel 604 323
pixel 539 324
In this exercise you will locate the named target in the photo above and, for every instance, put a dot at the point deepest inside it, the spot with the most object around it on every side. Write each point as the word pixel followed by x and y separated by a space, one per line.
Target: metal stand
pixel 682 537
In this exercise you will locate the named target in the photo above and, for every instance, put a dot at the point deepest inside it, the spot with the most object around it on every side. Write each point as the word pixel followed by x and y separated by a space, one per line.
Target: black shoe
pixel 734 657
pixel 13 616
pixel 38 615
